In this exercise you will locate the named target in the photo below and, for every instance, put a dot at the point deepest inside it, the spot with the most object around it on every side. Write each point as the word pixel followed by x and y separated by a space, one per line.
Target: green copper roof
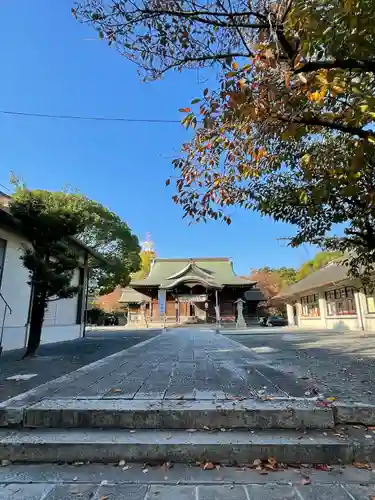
pixel 214 272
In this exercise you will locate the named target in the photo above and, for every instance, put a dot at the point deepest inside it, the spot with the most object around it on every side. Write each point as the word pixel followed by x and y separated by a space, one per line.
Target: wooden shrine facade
pixel 190 291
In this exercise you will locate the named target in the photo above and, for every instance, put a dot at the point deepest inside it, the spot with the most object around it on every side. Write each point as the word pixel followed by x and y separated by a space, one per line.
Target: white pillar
pixel 323 308
pixel 361 308
pixel 217 310
pixel 290 314
pixel 298 308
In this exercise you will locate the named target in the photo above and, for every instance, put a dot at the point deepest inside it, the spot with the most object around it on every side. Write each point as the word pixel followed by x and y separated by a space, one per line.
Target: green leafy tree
pixel 51 222
pixel 320 260
pixel 112 238
pixel 288 132
pixel 147 256
pixel 273 280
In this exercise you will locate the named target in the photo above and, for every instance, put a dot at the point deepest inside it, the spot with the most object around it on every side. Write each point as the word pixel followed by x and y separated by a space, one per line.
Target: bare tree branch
pixel 319 122
pixel 356 64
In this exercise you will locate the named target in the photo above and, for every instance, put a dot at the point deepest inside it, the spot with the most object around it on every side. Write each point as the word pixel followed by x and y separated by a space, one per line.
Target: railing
pixel 6 309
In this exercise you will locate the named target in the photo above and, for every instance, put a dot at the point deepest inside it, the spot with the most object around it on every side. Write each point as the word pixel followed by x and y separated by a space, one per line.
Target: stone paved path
pixel 181 483
pixel 56 360
pixel 186 364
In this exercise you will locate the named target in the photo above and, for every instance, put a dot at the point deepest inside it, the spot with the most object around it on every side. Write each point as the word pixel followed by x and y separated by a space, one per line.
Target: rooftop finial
pixel 148 245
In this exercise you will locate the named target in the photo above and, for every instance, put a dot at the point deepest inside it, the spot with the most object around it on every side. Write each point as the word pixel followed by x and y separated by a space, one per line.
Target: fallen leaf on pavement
pixel 332 398
pixel 116 389
pixel 305 481
pixel 272 461
pixel 322 467
pixel 208 466
pixel 104 498
pixel 362 465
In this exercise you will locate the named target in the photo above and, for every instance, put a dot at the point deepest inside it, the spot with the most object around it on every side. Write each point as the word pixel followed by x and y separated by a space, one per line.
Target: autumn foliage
pixel 288 131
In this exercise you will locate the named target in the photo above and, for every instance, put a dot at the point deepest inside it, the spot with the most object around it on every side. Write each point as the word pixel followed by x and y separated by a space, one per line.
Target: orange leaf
pixel 184 110
pixel 362 465
pixel 235 66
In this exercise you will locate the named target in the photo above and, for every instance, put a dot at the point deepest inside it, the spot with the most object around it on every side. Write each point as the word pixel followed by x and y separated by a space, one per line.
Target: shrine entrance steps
pixel 184 396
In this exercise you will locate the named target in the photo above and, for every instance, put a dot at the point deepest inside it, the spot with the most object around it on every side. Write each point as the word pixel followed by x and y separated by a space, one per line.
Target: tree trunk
pixel 36 320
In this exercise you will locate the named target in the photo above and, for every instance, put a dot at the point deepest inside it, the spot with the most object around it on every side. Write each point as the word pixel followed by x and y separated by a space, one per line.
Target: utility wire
pixel 89 118
pixel 4 187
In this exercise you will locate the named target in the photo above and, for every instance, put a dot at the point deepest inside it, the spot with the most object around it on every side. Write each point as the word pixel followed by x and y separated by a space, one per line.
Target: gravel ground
pixel 340 365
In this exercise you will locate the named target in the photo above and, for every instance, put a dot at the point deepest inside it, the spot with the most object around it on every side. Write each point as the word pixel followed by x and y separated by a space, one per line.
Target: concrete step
pixel 236 447
pixel 180 414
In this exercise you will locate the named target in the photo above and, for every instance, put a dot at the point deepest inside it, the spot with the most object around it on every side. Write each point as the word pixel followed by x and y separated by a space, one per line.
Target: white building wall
pixel 359 321
pixel 312 322
pixel 342 323
pixel 60 320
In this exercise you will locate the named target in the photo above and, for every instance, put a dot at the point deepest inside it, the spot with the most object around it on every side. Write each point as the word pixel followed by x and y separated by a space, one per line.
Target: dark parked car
pixel 276 321
pixel 263 321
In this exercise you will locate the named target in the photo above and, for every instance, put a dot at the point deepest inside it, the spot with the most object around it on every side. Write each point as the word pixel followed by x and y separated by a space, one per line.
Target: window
pixel 3 245
pixel 370 300
pixel 310 305
pixel 340 301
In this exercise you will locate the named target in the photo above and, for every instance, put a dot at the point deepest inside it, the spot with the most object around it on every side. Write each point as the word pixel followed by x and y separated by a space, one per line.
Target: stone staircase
pixel 184 396
pixel 227 432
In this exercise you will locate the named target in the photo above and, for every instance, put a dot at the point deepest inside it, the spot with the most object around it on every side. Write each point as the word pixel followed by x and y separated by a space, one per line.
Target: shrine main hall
pixel 201 290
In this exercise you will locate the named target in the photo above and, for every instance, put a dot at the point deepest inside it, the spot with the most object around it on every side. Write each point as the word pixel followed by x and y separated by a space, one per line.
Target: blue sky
pixel 52 64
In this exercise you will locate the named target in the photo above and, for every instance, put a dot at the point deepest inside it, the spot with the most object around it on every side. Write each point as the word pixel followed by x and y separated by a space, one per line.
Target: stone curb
pixel 178 446
pixel 179 473
pixel 169 414
pixel 286 414
pixel 356 413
